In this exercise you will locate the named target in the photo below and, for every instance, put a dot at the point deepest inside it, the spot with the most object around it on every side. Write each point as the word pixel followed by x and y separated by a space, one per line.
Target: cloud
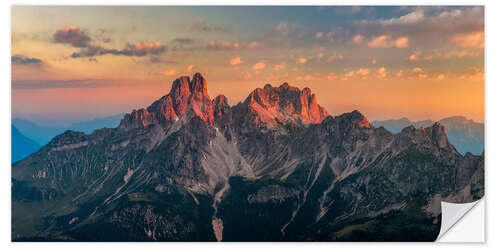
pixel 386 41
pixel 183 40
pixel 72 35
pixel 283 28
pixel 334 57
pixel 363 71
pixel 412 17
pixel 189 68
pixel 236 61
pixel 259 66
pixel 169 72
pixel 58 84
pixel 214 45
pixel 202 26
pixel 358 39
pixel 459 54
pixel 415 56
pixel 452 54
pixel 417 70
pixel 430 25
pixel 331 76
pixel 440 77
pixel 142 49
pixel 138 49
pixel 473 39
pixel 402 42
pixel 301 60
pixel 278 67
pixel 382 73
pixel 24 60
pixel 245 75
pixel 477 75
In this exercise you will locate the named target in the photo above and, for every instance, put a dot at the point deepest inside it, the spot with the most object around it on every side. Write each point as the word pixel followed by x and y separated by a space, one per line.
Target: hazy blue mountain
pixel 43 134
pixel 466 135
pixel 22 146
pixel 40 134
pixel 396 125
pixel 89 126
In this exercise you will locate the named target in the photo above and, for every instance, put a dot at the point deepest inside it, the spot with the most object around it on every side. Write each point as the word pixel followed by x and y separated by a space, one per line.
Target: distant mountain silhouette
pixel 43 134
pixel 466 135
pixel 22 146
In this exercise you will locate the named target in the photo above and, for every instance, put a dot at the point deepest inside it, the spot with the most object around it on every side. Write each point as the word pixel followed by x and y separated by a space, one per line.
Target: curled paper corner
pixel 453 213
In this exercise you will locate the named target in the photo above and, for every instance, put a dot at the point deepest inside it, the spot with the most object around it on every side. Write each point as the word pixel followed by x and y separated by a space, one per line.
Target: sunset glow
pixel 76 63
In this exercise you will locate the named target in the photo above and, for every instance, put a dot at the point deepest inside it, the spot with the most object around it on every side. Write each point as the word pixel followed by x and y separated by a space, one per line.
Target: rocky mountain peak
pixel 284 104
pixel 355 118
pixel 198 85
pixel 438 133
pixel 184 95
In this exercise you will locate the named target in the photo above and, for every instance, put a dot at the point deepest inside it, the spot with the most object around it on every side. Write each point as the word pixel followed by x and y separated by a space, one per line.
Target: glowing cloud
pixel 401 42
pixel 190 68
pixel 236 61
pixel 259 66
pixel 417 70
pixel 473 40
pixel 386 41
pixel 280 66
pixel 72 35
pixel 415 56
pixel 358 39
pixel 382 72
pixel 301 60
pixel 169 72
pixel 440 77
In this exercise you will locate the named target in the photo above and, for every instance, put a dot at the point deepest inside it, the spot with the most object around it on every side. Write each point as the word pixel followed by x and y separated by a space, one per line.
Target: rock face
pixel 186 96
pixel 275 167
pixel 285 104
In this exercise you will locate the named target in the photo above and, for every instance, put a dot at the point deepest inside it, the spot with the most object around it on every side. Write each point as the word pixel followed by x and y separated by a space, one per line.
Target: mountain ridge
pixel 211 173
pixel 465 134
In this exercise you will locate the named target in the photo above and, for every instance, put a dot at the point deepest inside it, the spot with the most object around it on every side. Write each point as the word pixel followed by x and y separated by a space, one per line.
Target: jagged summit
pixel 204 171
pixel 266 106
pixel 185 95
pixel 284 104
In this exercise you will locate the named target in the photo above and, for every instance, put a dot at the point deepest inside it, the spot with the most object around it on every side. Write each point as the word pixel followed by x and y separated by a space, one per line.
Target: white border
pixel 492 122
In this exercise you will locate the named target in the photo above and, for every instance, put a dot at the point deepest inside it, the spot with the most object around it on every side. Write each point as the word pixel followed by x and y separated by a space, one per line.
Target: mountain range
pixel 43 134
pixel 22 146
pixel 274 167
pixel 466 135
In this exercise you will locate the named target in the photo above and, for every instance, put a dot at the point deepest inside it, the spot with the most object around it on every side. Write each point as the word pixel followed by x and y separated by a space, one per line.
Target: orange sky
pixel 77 63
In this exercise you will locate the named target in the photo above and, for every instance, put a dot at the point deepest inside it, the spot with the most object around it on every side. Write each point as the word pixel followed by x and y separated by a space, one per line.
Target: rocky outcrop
pixel 269 106
pixel 186 96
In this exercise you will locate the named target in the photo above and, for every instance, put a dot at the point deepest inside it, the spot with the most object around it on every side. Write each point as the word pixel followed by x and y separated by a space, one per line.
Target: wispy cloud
pixel 137 49
pixel 202 26
pixel 58 84
pixel 429 24
pixel 24 60
pixel 183 40
pixel 283 28
pixel 386 41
